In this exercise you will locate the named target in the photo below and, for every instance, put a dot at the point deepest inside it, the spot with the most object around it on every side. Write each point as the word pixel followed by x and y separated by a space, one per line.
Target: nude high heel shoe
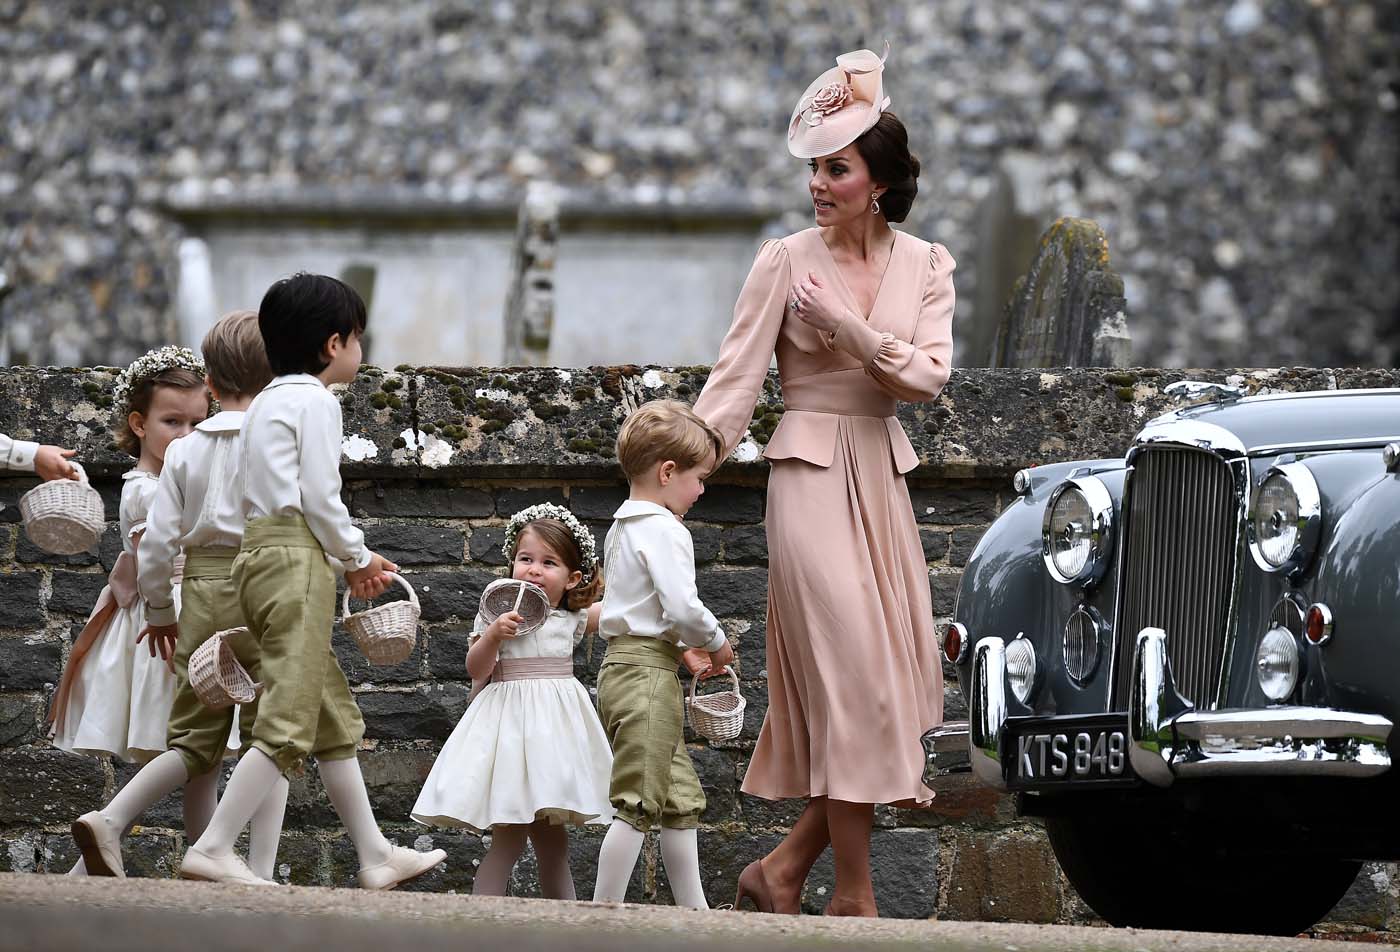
pixel 753 885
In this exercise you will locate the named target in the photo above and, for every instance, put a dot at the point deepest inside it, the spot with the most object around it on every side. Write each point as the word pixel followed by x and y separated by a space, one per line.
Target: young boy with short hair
pixel 651 613
pixel 311 326
pixel 198 508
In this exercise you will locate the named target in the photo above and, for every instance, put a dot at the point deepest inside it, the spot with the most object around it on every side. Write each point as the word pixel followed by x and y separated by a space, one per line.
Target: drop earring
pixel 874 205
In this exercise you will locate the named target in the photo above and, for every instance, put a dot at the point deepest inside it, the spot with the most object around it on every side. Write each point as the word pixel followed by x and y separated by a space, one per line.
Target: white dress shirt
pixel 650 563
pixel 198 503
pixel 17 454
pixel 291 464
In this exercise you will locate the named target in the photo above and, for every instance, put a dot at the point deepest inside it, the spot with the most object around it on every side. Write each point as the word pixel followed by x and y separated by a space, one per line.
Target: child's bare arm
pixel 481 656
pixel 595 611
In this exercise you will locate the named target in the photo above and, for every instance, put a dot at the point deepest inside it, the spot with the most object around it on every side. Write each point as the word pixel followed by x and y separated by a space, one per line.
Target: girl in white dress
pixel 529 756
pixel 115 694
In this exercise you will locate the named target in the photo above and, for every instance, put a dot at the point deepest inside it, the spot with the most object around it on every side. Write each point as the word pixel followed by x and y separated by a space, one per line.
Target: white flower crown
pixel 548 510
pixel 149 364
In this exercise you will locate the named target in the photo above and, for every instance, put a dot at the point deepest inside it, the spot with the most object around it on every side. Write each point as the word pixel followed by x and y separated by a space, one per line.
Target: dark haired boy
pixel 311 326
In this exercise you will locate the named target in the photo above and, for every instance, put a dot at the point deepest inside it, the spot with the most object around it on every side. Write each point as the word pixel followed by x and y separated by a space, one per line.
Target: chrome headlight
pixel 1020 668
pixel 1077 531
pixel 1287 519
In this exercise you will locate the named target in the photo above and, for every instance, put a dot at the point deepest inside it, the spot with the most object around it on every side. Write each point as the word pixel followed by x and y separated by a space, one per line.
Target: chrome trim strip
pixel 986 711
pixel 1359 443
pixel 945 751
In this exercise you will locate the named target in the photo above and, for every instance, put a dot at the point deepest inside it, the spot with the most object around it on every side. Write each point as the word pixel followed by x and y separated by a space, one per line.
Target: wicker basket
pixel 385 633
pixel 506 595
pixel 718 716
pixel 216 676
pixel 63 516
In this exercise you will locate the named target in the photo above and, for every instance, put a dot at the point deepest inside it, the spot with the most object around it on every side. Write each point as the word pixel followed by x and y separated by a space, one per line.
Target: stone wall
pixel 436 461
pixel 1240 156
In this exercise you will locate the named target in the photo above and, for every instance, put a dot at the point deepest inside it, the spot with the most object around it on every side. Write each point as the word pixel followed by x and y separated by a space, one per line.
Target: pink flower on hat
pixel 825 101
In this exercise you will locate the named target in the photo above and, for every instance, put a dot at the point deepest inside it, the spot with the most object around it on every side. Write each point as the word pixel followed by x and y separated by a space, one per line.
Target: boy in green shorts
pixel 295 521
pixel 651 613
pixel 197 509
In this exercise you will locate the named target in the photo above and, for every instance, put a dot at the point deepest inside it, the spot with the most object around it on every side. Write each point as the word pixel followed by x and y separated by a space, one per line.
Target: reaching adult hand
pixel 51 462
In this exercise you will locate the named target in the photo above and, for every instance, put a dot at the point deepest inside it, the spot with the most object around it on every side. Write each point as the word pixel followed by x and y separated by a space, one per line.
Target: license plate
pixel 1060 751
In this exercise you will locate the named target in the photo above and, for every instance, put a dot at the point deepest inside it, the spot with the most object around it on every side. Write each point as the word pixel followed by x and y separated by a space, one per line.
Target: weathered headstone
pixel 1068 309
pixel 1010 221
pixel 529 317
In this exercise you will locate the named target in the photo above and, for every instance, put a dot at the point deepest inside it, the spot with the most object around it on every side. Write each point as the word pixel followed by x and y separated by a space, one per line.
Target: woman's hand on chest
pixel 817 305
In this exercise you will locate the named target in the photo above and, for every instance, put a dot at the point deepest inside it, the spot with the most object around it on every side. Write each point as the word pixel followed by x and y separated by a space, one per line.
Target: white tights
pixel 680 855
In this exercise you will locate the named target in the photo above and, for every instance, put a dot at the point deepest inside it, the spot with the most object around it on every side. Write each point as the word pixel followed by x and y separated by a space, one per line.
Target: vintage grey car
pixel 1187 660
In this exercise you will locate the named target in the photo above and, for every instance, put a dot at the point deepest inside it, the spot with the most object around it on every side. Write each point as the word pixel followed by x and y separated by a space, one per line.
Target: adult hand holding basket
pixel 718 716
pixel 385 633
pixel 63 516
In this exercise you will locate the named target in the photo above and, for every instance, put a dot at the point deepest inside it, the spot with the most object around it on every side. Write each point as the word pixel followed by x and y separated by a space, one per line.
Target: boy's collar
pixel 287 379
pixel 640 507
pixel 225 421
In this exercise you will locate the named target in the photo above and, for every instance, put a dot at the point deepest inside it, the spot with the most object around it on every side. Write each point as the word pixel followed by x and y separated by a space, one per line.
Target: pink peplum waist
pixel 814 408
pixel 528 669
pixel 843 392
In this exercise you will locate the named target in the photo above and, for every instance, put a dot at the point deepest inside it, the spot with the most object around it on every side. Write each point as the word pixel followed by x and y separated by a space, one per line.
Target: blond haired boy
pixel 651 613
pixel 197 510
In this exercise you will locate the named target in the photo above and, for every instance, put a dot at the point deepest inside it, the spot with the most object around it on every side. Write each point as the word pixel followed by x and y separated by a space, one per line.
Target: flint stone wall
pixel 435 462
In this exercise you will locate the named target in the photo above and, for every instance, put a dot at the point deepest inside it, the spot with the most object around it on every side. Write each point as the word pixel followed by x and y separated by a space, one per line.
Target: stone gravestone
pixel 1068 309
pixel 529 318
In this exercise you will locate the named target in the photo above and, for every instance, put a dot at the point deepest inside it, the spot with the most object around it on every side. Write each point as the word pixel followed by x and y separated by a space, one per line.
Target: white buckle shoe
pixel 402 865
pixel 219 869
pixel 100 844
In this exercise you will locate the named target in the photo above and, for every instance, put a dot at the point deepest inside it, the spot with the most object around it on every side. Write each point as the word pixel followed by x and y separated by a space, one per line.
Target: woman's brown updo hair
pixel 885 149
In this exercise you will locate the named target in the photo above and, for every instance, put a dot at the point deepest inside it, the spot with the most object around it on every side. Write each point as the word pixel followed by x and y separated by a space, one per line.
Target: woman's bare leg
pixel 850 825
pixel 786 868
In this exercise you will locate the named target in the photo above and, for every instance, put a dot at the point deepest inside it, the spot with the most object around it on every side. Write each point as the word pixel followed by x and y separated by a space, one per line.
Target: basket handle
pixel 729 670
pixel 82 473
pixel 412 596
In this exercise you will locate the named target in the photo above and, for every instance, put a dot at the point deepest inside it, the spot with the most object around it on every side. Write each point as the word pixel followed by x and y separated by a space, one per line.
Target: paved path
pixel 42 913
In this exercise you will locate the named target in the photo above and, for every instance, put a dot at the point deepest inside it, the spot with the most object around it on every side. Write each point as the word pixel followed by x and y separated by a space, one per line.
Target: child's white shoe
pixel 219 869
pixel 402 865
pixel 100 844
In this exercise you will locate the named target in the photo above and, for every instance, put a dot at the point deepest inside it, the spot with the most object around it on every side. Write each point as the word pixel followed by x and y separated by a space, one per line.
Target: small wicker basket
pixel 385 633
pixel 718 716
pixel 63 516
pixel 216 676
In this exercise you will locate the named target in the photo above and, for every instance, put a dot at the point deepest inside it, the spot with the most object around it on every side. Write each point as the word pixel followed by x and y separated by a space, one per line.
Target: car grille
pixel 1179 566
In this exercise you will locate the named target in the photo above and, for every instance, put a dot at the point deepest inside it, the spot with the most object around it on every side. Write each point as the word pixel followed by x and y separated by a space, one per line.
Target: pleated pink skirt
pixel 854 676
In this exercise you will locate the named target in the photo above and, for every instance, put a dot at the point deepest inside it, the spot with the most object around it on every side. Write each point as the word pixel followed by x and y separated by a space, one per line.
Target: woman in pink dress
pixel 859 316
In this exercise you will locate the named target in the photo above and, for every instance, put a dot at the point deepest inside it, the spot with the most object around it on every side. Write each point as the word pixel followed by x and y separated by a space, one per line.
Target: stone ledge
pixel 552 422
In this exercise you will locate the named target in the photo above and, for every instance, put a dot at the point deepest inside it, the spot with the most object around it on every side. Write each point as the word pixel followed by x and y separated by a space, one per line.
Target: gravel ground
pixel 40 913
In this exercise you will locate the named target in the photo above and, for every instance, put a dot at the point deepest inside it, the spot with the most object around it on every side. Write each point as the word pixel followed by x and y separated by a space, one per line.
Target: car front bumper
pixel 1170 739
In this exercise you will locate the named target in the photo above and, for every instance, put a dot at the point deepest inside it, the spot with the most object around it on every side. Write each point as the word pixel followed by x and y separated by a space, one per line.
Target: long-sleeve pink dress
pixel 854 677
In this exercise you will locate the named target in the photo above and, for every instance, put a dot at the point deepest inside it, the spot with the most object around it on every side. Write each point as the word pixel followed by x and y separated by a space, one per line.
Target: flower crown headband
pixel 548 510
pixel 169 357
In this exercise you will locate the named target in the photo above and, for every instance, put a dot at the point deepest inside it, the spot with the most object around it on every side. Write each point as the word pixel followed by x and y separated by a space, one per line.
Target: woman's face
pixel 841 187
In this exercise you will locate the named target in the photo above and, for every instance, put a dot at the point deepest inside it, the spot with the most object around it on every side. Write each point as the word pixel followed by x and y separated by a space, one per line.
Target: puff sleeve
pixel 914 371
pixel 732 390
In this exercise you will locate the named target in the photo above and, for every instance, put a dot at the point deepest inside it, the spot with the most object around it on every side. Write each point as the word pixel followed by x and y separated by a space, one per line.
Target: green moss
pixel 1125 394
pixel 548 411
pixel 429 428
pixel 582 446
pixel 403 368
pixel 396 403
pixel 499 382
pixel 583 394
pixel 390 384
pixel 607 451
pixel 1121 378
pixel 596 432
pixel 89 387
pixel 454 391
pixel 493 426
pixel 682 390
pixel 379 400
pixel 454 432
pixel 102 400
pixel 399 443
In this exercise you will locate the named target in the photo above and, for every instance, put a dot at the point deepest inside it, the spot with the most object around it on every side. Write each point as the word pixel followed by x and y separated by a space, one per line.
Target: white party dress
pixel 525 749
pixel 119 702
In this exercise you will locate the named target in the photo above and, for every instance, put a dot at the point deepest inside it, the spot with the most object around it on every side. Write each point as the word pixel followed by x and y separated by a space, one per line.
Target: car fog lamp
pixel 1020 668
pixel 1276 663
pixel 1070 534
pixel 1081 644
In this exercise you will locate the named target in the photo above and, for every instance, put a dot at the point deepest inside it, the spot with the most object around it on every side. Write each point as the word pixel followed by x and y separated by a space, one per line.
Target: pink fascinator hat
pixel 840 106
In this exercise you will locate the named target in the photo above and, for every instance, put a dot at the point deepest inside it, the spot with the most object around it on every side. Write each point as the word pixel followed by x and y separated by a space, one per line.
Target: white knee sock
pixel 345 785
pixel 255 775
pixel 158 778
pixel 680 854
pixel 201 799
pixel 266 831
pixel 616 860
